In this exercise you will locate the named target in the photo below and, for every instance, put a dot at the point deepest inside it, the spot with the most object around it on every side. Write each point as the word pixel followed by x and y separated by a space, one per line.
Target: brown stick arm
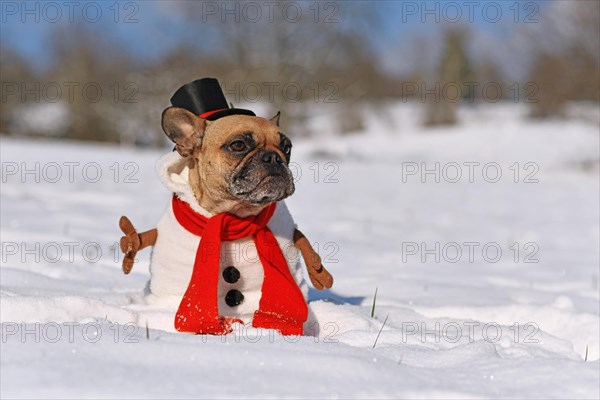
pixel 133 242
pixel 319 276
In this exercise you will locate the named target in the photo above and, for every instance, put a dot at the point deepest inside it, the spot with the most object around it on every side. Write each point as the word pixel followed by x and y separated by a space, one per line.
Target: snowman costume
pixel 240 270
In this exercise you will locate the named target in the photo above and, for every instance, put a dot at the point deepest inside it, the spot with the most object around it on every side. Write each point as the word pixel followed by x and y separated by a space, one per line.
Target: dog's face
pixel 239 162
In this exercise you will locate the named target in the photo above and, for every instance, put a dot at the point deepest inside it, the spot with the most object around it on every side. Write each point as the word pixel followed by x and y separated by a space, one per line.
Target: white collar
pixel 173 171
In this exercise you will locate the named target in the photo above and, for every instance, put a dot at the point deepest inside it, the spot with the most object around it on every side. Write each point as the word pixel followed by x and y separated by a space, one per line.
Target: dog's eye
pixel 287 149
pixel 237 145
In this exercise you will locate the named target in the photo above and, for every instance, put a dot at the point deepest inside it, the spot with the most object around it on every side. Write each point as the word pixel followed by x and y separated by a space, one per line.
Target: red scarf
pixel 281 306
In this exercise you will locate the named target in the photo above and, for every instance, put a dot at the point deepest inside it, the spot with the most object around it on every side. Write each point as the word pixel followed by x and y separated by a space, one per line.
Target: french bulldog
pixel 234 167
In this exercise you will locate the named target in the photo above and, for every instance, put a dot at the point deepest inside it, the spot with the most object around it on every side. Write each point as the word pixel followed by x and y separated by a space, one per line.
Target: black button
pixel 234 298
pixel 231 274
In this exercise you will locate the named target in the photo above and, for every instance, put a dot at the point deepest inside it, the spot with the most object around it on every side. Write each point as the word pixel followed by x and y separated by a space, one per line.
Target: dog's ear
pixel 275 119
pixel 184 128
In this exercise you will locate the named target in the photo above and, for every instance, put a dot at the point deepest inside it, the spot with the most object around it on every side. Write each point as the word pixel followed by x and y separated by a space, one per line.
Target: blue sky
pixel 150 28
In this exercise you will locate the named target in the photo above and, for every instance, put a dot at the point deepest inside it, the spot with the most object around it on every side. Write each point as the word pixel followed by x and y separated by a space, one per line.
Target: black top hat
pixel 204 98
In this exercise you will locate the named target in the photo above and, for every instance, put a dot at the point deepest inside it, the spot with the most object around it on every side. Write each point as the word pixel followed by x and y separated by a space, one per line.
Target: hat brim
pixel 229 111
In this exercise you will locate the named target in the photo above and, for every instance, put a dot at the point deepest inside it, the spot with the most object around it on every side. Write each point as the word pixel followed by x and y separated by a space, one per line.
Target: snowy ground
pixel 472 324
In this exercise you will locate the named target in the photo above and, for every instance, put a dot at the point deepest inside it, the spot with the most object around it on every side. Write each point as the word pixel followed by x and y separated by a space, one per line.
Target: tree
pixel 453 71
pixel 567 60
pixel 14 72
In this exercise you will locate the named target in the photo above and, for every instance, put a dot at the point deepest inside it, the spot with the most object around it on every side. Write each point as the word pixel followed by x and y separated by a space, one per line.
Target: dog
pixel 226 247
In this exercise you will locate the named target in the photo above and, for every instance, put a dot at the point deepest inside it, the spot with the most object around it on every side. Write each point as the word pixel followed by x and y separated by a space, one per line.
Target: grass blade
pixel 374 300
pixel 382 326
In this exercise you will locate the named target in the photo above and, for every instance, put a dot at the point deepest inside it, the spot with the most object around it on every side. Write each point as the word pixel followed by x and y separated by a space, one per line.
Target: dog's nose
pixel 271 157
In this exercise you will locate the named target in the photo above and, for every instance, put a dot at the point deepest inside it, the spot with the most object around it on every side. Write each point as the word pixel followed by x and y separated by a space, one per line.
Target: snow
pixel 458 327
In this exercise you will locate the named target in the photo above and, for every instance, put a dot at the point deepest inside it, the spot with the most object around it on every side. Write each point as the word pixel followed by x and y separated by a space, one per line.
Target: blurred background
pixel 104 71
